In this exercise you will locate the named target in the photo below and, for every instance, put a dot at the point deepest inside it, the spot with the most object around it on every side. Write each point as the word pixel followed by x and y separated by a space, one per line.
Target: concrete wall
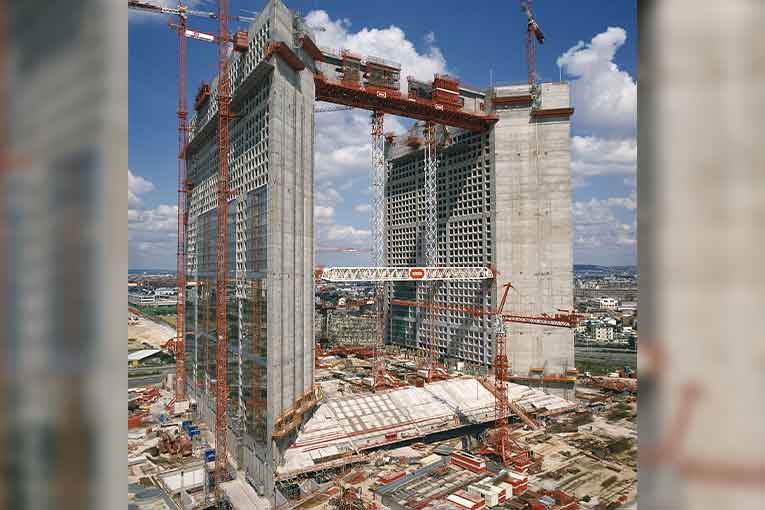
pixel 533 236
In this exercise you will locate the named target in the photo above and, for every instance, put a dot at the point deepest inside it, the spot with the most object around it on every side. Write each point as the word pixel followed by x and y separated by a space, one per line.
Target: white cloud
pixel 605 97
pixel 137 185
pixel 152 237
pixel 327 195
pixel 591 156
pixel 362 208
pixel 343 147
pixel 152 232
pixel 323 214
pixel 390 43
pixel 347 233
pixel 161 219
pixel 601 234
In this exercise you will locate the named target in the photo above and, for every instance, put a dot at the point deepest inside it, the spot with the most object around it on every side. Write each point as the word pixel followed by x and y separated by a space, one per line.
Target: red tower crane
pixel 223 38
pixel 182 12
pixel 533 34
pixel 221 355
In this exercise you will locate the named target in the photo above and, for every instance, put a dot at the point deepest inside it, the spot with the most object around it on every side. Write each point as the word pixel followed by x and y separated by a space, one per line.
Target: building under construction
pixel 503 201
pixel 270 248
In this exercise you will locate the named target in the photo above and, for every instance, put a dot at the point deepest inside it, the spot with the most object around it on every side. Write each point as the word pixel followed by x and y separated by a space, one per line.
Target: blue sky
pixel 590 43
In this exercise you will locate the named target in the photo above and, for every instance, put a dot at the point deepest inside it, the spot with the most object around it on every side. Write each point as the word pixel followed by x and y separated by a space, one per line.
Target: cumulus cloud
pixel 152 236
pixel 137 185
pixel 605 96
pixel 347 233
pixel 162 219
pixel 390 43
pixel 362 208
pixel 591 156
pixel 152 231
pixel 605 229
pixel 343 145
pixel 323 214
pixel 327 195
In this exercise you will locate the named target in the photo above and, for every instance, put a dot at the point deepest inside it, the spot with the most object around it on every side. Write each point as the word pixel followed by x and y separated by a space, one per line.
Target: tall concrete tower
pixel 270 252
pixel 504 200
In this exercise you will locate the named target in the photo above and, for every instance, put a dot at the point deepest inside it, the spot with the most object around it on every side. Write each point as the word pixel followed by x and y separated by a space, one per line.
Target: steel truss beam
pixel 404 274
pixel 377 222
pixel 427 317
pixel 393 103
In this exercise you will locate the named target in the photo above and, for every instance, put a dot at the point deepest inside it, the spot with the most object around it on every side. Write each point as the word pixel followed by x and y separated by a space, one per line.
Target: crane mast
pixel 223 38
pixel 180 271
pixel 221 355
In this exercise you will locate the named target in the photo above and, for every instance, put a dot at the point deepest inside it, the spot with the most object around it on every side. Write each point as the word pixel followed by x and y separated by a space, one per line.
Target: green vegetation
pixel 598 367
pixel 164 314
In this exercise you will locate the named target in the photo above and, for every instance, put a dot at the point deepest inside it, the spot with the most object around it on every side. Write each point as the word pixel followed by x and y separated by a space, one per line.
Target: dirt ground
pixel 143 331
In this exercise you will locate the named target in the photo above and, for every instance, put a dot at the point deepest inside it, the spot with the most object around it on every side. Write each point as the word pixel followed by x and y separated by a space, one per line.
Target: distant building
pixel 607 303
pixel 141 299
pixel 146 357
pixel 628 306
pixel 166 291
pixel 604 334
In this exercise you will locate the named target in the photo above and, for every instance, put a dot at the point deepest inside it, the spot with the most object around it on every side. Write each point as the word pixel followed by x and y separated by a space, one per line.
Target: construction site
pixel 454 387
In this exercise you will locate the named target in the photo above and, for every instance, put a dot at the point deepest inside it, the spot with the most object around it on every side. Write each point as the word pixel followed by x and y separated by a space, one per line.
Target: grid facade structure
pixel 463 239
pixel 504 201
pixel 270 246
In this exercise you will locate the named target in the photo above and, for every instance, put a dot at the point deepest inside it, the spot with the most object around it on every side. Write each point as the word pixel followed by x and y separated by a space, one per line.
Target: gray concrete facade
pixel 533 234
pixel 504 200
pixel 270 246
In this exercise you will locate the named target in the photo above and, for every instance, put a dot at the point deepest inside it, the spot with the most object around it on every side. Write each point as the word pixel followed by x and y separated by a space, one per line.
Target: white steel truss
pixel 431 212
pixel 404 274
pixel 426 317
pixel 377 250
pixel 377 217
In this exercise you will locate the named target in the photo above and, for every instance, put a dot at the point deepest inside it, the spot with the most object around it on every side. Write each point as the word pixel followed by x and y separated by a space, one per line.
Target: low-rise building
pixel 141 299
pixel 604 334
